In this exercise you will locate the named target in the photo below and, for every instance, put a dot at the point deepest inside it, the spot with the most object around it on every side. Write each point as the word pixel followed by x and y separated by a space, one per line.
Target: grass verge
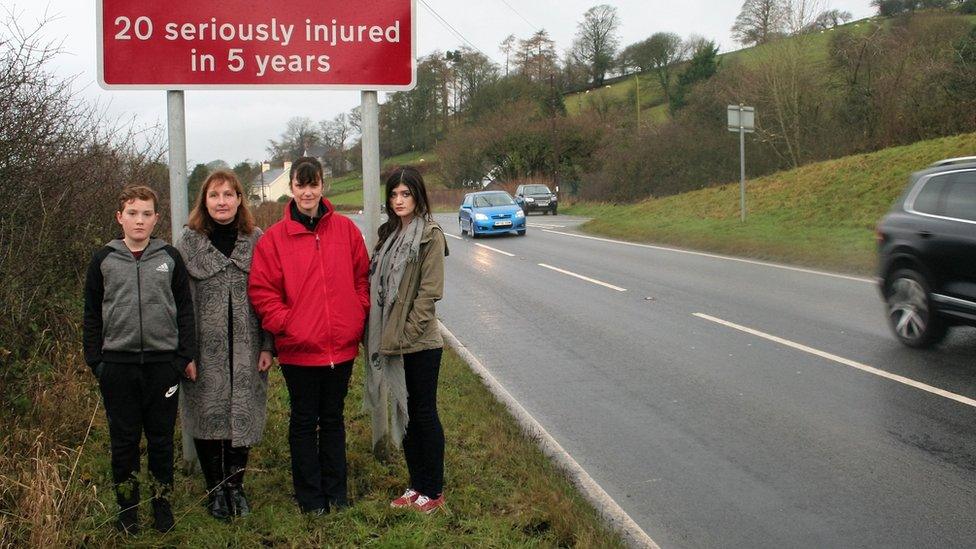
pixel 501 490
pixel 821 215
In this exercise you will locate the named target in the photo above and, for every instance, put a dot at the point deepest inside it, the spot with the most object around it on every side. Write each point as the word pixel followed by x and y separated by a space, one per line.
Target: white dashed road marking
pixel 581 277
pixel 846 362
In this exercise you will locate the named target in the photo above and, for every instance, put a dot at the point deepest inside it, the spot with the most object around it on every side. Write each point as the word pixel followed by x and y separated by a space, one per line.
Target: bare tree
pixel 300 134
pixel 335 133
pixel 759 21
pixel 665 50
pixel 596 40
pixel 507 47
pixel 829 19
pixel 536 57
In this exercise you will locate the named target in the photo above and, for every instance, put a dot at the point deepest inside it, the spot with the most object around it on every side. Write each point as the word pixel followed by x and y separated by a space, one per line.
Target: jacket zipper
pixel 142 343
pixel 328 316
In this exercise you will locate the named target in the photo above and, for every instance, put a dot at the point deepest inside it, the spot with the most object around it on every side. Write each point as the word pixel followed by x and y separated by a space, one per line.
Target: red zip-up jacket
pixel 311 289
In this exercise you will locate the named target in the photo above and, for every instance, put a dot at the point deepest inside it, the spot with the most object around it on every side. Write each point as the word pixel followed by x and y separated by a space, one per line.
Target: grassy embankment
pixel 501 490
pixel 821 215
pixel 652 102
pixel 347 191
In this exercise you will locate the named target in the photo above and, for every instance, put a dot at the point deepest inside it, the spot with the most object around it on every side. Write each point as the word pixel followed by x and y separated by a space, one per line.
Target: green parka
pixel 412 324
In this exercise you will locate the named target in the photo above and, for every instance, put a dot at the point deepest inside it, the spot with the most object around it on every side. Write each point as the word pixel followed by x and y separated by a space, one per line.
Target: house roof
pixel 269 177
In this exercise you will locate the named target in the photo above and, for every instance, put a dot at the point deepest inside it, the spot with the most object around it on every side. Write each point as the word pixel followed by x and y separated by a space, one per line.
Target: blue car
pixel 490 212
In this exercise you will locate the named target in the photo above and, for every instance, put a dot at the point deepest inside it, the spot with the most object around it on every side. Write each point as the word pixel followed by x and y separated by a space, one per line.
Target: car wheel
pixel 545 212
pixel 461 226
pixel 472 231
pixel 910 313
pixel 520 233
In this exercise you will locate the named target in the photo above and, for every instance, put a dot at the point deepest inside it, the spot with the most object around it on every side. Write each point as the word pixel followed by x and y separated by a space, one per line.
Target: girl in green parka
pixel 403 340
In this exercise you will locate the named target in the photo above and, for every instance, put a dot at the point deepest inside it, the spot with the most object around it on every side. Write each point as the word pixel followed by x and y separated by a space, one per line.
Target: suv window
pixel 960 197
pixel 929 197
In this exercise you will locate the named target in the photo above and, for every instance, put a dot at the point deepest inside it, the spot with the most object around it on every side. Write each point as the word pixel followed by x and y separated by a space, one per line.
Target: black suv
pixel 536 198
pixel 927 252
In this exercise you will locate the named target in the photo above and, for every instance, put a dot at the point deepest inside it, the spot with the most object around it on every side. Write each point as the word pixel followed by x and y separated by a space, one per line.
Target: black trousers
pixel 423 445
pixel 140 397
pixel 317 433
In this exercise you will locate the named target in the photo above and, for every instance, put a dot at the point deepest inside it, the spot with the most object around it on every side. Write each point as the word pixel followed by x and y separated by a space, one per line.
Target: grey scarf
pixel 386 384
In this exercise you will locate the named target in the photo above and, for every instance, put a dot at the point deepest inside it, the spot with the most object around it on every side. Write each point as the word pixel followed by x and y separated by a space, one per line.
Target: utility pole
pixel 553 104
pixel 637 94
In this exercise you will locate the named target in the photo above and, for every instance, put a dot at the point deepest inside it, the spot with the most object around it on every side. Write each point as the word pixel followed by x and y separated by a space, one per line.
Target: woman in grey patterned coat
pixel 225 404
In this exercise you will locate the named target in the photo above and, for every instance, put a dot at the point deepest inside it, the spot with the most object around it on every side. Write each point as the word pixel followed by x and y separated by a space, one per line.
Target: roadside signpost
pixel 742 119
pixel 246 45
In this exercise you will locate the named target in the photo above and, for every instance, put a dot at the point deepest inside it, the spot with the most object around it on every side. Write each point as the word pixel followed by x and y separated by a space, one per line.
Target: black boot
pixel 127 495
pixel 162 513
pixel 237 462
pixel 211 461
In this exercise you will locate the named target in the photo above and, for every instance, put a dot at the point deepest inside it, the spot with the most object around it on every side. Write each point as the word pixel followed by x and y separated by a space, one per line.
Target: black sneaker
pixel 162 515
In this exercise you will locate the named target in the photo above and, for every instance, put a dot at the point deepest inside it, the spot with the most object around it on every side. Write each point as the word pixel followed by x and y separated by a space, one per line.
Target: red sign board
pixel 187 44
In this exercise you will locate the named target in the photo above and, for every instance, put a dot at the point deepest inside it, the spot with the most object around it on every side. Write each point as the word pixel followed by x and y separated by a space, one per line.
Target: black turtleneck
pixel 307 221
pixel 224 237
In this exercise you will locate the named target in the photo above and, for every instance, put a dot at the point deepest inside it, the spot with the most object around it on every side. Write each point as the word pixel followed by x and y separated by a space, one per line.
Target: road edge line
pixel 611 512
pixel 718 256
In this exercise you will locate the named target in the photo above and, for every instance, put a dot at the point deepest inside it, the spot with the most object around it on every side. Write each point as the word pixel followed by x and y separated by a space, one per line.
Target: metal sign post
pixel 178 206
pixel 371 166
pixel 742 119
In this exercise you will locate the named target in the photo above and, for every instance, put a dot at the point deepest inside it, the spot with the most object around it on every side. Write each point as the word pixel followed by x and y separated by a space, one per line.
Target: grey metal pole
pixel 371 165
pixel 178 208
pixel 742 172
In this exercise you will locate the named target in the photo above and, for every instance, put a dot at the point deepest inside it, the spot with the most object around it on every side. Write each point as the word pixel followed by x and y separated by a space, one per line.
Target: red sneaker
pixel 406 500
pixel 426 505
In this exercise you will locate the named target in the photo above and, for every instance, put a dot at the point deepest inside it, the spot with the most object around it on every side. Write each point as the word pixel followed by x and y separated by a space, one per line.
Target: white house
pixel 269 186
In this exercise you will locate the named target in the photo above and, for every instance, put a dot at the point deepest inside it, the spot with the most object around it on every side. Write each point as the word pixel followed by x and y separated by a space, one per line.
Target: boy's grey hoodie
pixel 138 310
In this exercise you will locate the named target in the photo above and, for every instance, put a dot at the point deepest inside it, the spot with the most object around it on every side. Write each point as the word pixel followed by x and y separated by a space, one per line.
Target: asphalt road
pixel 724 403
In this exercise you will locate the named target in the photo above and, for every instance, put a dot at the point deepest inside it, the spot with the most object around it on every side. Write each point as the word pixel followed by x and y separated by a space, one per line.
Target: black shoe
pixel 128 522
pixel 238 500
pixel 127 496
pixel 217 505
pixel 162 515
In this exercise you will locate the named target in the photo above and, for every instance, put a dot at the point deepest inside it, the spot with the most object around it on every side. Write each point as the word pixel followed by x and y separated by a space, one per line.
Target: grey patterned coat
pixel 212 409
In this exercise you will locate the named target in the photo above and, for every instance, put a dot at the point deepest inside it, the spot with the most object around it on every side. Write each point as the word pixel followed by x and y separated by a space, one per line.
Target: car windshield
pixel 537 189
pixel 491 200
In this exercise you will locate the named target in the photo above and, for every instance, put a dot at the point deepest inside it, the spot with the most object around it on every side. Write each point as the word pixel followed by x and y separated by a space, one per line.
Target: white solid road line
pixel 853 364
pixel 545 226
pixel 453 236
pixel 494 249
pixel 581 277
pixel 717 256
pixel 610 510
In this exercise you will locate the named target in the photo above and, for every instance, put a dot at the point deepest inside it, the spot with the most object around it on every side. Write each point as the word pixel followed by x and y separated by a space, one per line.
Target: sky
pixel 236 125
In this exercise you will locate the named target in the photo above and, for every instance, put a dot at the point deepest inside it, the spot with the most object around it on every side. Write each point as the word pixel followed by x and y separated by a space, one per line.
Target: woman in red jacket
pixel 309 285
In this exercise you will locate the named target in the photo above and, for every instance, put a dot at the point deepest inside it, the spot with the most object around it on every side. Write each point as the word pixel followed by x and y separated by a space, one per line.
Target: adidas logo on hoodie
pixel 163 268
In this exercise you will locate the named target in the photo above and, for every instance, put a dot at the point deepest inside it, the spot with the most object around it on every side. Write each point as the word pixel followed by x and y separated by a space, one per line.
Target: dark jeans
pixel 423 445
pixel 317 433
pixel 140 397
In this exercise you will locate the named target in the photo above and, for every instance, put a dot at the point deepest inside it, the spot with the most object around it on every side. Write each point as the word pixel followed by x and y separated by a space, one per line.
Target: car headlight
pixel 519 213
pixel 480 217
pixel 529 199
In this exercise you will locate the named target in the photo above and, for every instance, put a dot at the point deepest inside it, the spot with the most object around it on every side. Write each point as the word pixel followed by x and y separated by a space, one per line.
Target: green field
pixel 347 191
pixel 821 215
pixel 501 490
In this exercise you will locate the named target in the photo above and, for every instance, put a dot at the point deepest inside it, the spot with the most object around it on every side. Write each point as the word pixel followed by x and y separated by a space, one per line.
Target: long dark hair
pixel 415 182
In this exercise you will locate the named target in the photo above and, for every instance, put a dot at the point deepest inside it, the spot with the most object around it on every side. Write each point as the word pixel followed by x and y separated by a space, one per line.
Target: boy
pixel 139 340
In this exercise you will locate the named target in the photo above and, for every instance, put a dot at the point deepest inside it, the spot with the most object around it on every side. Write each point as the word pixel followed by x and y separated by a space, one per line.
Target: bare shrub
pixel 62 163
